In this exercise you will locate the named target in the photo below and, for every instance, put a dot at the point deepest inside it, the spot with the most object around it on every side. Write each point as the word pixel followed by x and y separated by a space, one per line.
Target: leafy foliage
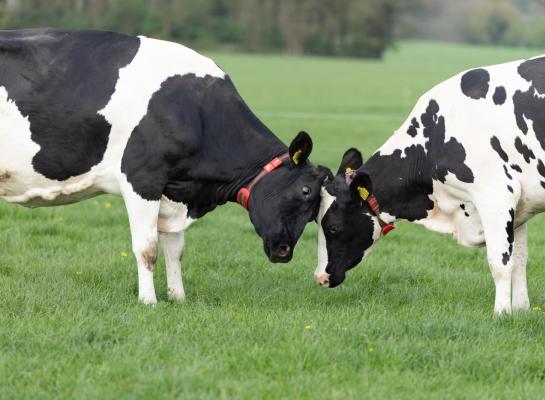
pixel 503 22
pixel 329 27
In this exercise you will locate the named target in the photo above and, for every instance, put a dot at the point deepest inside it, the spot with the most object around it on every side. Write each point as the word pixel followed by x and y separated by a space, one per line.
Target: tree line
pixel 503 22
pixel 350 28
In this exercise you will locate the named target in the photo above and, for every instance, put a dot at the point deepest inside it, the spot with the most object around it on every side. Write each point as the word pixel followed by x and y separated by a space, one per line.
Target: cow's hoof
pixel 524 306
pixel 176 295
pixel 148 300
pixel 498 312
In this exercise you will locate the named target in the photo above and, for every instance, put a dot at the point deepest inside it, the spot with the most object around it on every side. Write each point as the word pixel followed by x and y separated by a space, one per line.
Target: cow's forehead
pixel 311 172
pixel 293 178
pixel 326 201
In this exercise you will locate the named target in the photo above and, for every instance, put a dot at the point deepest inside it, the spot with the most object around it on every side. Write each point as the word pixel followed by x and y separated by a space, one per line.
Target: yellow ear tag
pixel 348 170
pixel 296 157
pixel 364 193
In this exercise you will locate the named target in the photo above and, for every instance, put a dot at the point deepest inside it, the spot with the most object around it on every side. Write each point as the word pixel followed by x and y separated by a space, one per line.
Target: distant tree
pixel 370 27
pixel 491 22
pixel 354 28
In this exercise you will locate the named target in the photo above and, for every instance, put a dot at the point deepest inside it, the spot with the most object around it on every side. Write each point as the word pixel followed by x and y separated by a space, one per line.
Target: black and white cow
pixel 469 161
pixel 86 112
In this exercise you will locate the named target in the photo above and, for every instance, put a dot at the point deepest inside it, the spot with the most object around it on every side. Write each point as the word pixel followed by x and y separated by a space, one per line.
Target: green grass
pixel 414 321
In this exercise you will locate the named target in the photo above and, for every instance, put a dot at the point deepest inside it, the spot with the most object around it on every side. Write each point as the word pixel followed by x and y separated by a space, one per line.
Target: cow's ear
pixel 325 173
pixel 300 148
pixel 361 186
pixel 351 161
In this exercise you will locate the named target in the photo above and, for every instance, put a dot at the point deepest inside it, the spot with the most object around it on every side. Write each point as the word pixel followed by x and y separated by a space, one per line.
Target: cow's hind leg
pixel 143 217
pixel 173 248
pixel 520 299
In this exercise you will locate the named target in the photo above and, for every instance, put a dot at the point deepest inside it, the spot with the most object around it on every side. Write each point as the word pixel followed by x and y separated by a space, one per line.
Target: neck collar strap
pixel 375 209
pixel 243 195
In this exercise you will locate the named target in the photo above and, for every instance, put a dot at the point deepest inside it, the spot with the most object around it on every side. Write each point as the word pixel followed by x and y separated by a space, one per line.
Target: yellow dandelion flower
pixel 370 349
pixel 78 273
pixel 308 327
pixel 60 220
pixel 536 308
pixel 107 204
pixel 123 254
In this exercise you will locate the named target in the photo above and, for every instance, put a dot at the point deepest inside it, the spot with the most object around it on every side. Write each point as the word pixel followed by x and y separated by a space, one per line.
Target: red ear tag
pixel 243 197
pixel 387 228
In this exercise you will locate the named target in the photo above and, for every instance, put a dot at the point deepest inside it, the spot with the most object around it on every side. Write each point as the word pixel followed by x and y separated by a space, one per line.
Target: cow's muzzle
pixel 322 280
pixel 333 277
pixel 281 253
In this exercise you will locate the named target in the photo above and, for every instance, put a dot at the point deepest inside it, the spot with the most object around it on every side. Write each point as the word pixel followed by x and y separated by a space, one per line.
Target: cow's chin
pixel 338 276
pixel 335 280
pixel 266 249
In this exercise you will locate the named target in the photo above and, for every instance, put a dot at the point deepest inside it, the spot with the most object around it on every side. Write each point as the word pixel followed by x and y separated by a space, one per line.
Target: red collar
pixel 375 209
pixel 243 195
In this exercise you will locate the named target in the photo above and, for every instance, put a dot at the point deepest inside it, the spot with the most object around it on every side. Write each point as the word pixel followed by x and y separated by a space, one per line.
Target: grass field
pixel 414 321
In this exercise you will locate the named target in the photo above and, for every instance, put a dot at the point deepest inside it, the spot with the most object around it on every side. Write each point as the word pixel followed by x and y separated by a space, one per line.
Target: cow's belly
pixel 25 187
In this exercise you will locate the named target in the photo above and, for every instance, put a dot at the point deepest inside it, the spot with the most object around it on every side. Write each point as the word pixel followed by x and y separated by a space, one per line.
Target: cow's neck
pixel 220 151
pixel 245 168
pixel 398 185
pixel 234 148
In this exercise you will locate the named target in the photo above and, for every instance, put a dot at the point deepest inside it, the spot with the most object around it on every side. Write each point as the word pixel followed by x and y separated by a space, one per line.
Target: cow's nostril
pixel 323 280
pixel 284 250
pixel 282 253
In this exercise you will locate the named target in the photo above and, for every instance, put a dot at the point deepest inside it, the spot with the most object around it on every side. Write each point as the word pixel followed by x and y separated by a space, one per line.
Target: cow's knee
pixel 146 257
pixel 147 254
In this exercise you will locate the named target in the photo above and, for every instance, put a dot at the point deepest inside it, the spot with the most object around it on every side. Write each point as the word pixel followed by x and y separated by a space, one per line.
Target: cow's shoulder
pixel 169 58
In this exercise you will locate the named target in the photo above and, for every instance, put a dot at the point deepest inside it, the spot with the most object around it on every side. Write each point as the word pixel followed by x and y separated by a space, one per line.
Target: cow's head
pixel 348 228
pixel 285 200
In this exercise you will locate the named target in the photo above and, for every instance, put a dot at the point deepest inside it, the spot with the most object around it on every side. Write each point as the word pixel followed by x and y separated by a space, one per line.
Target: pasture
pixel 413 321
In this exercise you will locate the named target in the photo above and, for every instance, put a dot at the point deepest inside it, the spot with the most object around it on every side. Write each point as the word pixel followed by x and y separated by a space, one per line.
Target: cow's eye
pixel 333 229
pixel 306 191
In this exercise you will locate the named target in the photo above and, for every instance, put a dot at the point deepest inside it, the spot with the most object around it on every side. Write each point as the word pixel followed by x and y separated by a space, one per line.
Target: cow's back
pixel 69 102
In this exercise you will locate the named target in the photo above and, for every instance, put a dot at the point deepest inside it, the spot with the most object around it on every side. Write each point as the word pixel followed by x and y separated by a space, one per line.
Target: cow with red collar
pixel 86 112
pixel 469 161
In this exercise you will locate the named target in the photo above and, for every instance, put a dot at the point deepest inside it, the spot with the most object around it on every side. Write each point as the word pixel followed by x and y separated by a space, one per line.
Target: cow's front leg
pixel 520 299
pixel 143 217
pixel 173 248
pixel 499 234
